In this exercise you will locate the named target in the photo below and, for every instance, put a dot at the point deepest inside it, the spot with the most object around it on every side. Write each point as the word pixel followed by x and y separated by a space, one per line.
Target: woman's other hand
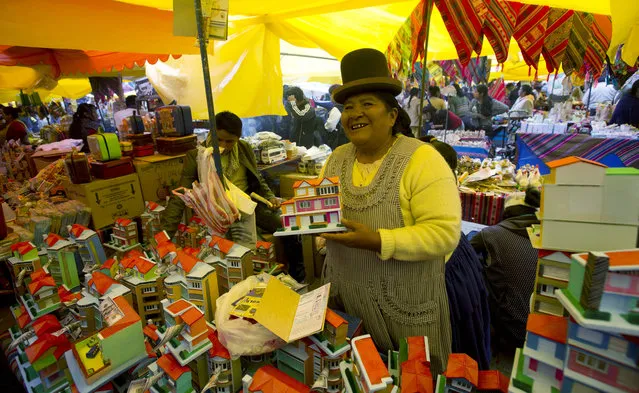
pixel 358 236
pixel 276 203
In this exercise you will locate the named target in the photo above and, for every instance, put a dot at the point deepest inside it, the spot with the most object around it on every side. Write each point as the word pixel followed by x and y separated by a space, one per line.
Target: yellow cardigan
pixel 430 205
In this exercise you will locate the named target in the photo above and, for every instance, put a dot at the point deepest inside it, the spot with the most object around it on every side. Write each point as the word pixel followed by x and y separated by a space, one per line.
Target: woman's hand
pixel 276 203
pixel 358 236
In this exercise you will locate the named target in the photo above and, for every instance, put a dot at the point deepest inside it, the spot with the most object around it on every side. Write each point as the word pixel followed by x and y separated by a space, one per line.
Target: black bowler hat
pixel 365 70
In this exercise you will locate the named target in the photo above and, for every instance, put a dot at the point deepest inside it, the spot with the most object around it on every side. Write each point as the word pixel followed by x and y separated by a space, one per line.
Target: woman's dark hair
pixel 12 111
pixel 526 89
pixel 486 103
pixel 229 122
pixel 634 88
pixel 460 92
pixel 446 150
pixel 299 96
pixel 434 91
pixel 414 92
pixel 83 110
pixel 402 123
pixel 482 89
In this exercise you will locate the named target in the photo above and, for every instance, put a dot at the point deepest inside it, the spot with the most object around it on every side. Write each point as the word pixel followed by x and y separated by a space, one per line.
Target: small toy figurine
pixel 315 208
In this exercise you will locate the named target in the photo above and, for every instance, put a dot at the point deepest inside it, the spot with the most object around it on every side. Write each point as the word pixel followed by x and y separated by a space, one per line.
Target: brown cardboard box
pixel 159 175
pixel 42 159
pixel 288 179
pixel 109 199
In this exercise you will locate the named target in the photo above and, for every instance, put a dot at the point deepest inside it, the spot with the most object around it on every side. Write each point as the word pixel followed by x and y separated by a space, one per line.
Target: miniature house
pixel 296 360
pixel 462 374
pixel 603 291
pixel 146 286
pixel 125 232
pixel 219 360
pixel 176 378
pixel 25 257
pixel 268 379
pixel 90 246
pixel 553 272
pixel 46 358
pixel 329 349
pixel 371 372
pixel 264 257
pixel 411 365
pixel 232 261
pixel 192 342
pixel 151 220
pixel 315 208
pixel 42 297
pixel 61 257
pixel 585 206
pixel 492 381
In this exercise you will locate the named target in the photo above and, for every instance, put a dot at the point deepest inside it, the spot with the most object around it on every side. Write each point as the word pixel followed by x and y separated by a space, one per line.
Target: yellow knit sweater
pixel 430 205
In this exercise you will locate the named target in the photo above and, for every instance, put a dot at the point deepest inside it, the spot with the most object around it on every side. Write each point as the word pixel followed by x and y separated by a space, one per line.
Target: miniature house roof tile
pixel 571 160
pixel 623 260
pixel 151 332
pixel 66 295
pixel 130 318
pixel 124 222
pixel 161 237
pixel 46 324
pixel 77 230
pixel 171 366
pixel 492 380
pixel 315 182
pixel 134 253
pixel 218 350
pixel 23 319
pixel 102 282
pixel 371 361
pixel 154 207
pixel 548 326
pixel 268 379
pixel 35 286
pixel 178 307
pixel 23 247
pixel 108 264
pixel 222 244
pixel 334 319
pixel 143 265
pixel 38 275
pixel 289 202
pixel 47 341
pixel 150 351
pixel 192 315
pixel 191 251
pixel 416 377
pixel 263 244
pixel 127 263
pixel 186 261
pixel 182 227
pixel 52 239
pixel 463 366
pixel 165 248
pixel 417 348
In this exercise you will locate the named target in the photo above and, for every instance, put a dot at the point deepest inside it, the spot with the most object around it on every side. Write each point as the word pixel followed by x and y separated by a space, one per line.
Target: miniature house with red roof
pixel 42 297
pixel 411 365
pixel 175 377
pixel 268 379
pixel 192 342
pixel 585 206
pixel 492 381
pixel 46 357
pixel 462 374
pixel 24 257
pixel 233 262
pixel 315 208
pixel 151 220
pixel 89 245
pixel 61 260
pixel 264 257
pixel 124 237
pixel 370 373
pixel 219 361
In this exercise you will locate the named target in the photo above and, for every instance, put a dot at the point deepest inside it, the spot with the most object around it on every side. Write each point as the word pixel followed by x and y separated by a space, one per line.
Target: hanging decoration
pixel 557 33
pixel 501 18
pixel 530 32
pixel 464 26
pixel 578 40
pixel 601 32
pixel 408 45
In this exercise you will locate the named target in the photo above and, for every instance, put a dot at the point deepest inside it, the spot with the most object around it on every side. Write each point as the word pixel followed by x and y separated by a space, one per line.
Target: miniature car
pixel 93 352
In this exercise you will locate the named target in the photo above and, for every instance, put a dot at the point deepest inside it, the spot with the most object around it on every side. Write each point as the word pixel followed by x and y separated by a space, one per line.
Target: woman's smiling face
pixel 367 120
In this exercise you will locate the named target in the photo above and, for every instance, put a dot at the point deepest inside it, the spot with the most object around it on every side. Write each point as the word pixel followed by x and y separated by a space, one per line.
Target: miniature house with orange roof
pixel 42 297
pixel 175 377
pixel 194 281
pixel 553 272
pixel 233 262
pixel 113 350
pixel 370 373
pixel 90 246
pixel 541 361
pixel 46 358
pixel 110 267
pixel 315 208
pixel 410 366
pixel 461 375
pixel 61 260
pixel 124 237
pixel 268 379
pixel 219 361
pixel 585 206
pixel 192 342
pixel 603 291
pixel 24 257
pixel 264 256
pixel 492 381
pixel 151 220
pixel 145 284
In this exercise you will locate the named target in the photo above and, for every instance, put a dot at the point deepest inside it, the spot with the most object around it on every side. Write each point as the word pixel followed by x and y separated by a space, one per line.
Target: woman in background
pixel 412 108
pixel 627 109
pixel 482 110
pixel 85 122
pixel 304 131
pixel 459 104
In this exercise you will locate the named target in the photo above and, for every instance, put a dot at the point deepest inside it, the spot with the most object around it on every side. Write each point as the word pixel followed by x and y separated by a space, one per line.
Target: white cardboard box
pixel 581 236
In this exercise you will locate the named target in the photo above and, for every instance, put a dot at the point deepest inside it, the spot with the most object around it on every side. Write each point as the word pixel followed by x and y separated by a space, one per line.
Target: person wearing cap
pixel 402 210
pixel 510 268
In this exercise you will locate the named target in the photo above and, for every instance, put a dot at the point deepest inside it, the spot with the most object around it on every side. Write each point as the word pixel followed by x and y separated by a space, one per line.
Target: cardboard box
pixel 288 179
pixel 159 175
pixel 109 199
pixel 42 159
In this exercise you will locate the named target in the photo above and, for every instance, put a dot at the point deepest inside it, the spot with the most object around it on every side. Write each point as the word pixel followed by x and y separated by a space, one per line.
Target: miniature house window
pixel 533 364
pixel 234 264
pixel 558 273
pixel 148 290
pixel 619 281
pixel 318 218
pixel 328 190
pixel 226 389
pixel 152 307
pixel 330 202
pixel 591 336
pixel 547 290
pixel 195 285
pixel 559 375
pixel 592 362
pixel 301 192
pixel 305 204
pixel 617 345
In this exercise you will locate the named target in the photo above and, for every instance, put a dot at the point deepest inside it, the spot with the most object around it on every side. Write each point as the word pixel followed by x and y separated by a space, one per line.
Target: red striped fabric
pixel 530 32
pixel 499 25
pixel 557 33
pixel 463 24
pixel 601 31
pixel 498 90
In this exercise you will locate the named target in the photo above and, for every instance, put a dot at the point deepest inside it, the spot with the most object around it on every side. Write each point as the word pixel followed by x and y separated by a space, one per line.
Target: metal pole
pixel 592 79
pixel 207 88
pixel 428 6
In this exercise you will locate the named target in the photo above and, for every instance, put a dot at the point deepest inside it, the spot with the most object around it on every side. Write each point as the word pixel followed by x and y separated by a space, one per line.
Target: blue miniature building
pixel 89 245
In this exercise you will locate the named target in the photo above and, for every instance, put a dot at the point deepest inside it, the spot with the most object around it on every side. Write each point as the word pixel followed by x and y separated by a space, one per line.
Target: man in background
pixel 131 107
pixel 602 93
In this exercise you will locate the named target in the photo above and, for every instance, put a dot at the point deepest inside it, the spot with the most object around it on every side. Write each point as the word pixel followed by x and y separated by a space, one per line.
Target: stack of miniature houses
pixel 584 206
pixel 463 376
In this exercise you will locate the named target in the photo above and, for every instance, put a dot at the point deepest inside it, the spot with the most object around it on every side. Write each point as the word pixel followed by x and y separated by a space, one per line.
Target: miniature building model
pixel 61 265
pixel 192 341
pixel 264 257
pixel 151 220
pixel 462 374
pixel 370 372
pixel 268 379
pixel 124 237
pixel 330 349
pixel 176 378
pixel 25 257
pixel 315 208
pixel 233 262
pixel 146 286
pixel 46 359
pixel 42 297
pixel 583 206
pixel 604 290
pixel 553 271
pixel 230 370
pixel 90 246
pixel 296 360
pixel 99 286
pixel 194 281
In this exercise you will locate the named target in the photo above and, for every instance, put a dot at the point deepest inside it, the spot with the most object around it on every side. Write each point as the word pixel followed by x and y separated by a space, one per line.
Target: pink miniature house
pixel 315 208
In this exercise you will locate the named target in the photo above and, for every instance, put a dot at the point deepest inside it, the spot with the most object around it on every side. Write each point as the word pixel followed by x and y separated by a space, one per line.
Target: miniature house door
pixel 333 218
